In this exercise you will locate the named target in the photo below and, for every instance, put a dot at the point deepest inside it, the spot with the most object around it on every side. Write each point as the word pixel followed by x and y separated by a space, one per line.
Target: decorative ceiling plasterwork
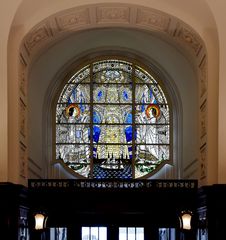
pixel 72 20
pixel 113 14
pixel 110 15
pixel 69 21
pixel 155 20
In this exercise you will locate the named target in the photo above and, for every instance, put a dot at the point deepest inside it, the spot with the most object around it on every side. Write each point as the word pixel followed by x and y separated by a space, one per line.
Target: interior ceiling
pixel 196 11
pixel 35 15
pixel 67 22
pixel 47 22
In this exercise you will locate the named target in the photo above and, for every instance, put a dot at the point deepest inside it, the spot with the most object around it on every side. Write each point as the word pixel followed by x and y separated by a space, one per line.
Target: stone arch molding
pixel 66 22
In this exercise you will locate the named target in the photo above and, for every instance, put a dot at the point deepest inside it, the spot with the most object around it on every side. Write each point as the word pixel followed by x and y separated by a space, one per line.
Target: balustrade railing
pixel 111 184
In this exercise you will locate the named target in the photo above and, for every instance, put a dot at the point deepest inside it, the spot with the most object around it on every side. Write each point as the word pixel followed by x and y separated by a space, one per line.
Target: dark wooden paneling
pixel 121 202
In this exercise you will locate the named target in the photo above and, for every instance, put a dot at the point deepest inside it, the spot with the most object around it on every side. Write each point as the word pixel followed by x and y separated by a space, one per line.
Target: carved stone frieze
pixel 203 113
pixel 203 154
pixel 188 37
pixel 73 19
pixel 113 14
pixel 22 76
pixel 203 77
pixel 22 119
pixel 152 19
pixel 37 36
pixel 23 160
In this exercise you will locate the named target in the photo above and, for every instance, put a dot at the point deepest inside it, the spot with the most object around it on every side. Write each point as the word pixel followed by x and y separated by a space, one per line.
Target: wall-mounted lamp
pixel 40 221
pixel 185 220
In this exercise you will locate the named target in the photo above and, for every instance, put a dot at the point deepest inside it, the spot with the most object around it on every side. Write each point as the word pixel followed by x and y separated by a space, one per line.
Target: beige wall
pixel 7 14
pixel 200 15
pixel 219 13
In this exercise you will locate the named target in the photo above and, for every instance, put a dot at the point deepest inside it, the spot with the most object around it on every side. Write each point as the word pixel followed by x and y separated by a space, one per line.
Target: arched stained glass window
pixel 112 121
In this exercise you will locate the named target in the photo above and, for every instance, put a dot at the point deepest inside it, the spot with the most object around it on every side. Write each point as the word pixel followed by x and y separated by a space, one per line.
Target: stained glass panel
pixel 75 93
pixel 112 113
pixel 113 151
pixel 76 157
pixel 112 71
pixel 112 93
pixel 142 76
pixel 152 134
pixel 149 157
pixel 116 134
pixel 152 114
pixel 72 113
pixel 83 75
pixel 113 123
pixel 72 133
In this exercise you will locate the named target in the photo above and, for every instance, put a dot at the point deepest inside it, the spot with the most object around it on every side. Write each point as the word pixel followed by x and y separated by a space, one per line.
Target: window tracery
pixel 112 121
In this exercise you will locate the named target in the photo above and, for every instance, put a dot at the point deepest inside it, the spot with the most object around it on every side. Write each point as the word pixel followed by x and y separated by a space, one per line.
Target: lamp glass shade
pixel 39 221
pixel 186 221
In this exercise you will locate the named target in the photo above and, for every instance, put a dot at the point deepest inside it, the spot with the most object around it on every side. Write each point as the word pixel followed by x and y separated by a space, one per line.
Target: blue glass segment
pixel 129 118
pixel 96 133
pixel 96 118
pixel 125 95
pixel 99 95
pixel 129 133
